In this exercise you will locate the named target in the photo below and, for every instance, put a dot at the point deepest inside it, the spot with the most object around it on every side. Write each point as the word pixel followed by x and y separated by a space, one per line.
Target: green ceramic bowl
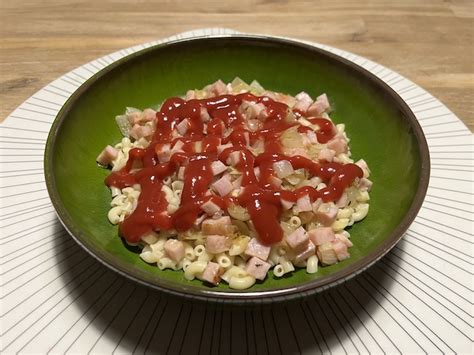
pixel 382 129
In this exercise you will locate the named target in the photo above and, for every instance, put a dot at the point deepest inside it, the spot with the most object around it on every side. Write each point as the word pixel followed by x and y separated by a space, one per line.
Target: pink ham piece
pixel 321 235
pixel 344 239
pixel 178 147
pixel 308 250
pixel 183 126
pixel 303 102
pixel 342 202
pixel 134 117
pixel 286 204
pixel 319 106
pixel 218 88
pixel 254 248
pixel 223 186
pixel 138 131
pixel 204 115
pixel 257 268
pixel 234 158
pixel 222 147
pixel 313 139
pixel 220 226
pixel 217 244
pixel 304 204
pixel 365 184
pixel 174 249
pixel 148 114
pixel 298 239
pixel 252 110
pixel 338 145
pixel 181 173
pixel 326 155
pixel 326 214
pixel 107 155
pixel 212 273
pixel 326 254
pixel 340 248
pixel 218 167
pixel 163 152
pixel 210 207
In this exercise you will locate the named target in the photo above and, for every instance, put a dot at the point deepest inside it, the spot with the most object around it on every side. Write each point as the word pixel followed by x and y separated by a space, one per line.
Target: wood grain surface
pixel 429 42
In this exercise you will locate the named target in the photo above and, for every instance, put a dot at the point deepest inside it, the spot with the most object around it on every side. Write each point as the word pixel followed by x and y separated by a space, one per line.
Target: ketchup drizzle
pixel 226 125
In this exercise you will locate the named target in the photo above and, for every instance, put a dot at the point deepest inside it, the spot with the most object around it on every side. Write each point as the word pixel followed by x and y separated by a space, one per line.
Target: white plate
pixel 56 298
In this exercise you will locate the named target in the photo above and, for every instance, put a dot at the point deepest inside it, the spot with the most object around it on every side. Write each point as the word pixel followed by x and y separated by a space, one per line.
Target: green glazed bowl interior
pixel 381 128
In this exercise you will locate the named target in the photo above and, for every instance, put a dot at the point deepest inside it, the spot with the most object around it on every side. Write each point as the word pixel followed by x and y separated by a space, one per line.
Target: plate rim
pixel 304 289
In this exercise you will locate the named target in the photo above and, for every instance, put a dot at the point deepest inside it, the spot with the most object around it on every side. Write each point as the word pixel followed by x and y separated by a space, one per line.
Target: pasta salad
pixel 235 183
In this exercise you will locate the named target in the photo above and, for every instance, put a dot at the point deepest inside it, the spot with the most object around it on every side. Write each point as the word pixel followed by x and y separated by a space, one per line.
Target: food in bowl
pixel 233 181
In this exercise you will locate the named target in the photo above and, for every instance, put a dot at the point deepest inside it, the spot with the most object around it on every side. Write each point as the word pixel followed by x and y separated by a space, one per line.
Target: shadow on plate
pixel 114 314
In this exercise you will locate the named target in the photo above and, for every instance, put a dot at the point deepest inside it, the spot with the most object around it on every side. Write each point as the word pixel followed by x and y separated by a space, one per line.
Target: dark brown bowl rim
pixel 264 296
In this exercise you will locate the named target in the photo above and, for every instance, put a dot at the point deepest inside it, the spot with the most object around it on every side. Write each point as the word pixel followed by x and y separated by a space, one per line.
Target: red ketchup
pixel 226 125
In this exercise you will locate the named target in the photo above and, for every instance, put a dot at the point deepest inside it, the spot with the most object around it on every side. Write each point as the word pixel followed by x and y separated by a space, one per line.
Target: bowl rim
pixel 284 293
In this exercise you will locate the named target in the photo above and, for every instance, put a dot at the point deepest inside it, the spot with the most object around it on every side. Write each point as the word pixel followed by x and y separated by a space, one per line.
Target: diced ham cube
pixel 199 220
pixel 218 167
pixel 138 131
pixel 174 249
pixel 148 114
pixel 210 207
pixel 308 250
pixel 326 154
pixel 181 173
pixel 286 204
pixel 222 147
pixel 234 158
pixel 283 168
pixel 303 102
pixel 338 144
pixel 304 204
pixel 365 184
pixel 326 214
pixel 253 110
pixel 326 254
pixel 183 126
pixel 319 106
pixel 223 186
pixel 212 273
pixel 298 239
pixel 254 248
pixel 220 226
pixel 204 115
pixel 256 171
pixel 312 137
pixel 163 152
pixel 342 202
pixel 340 248
pixel 218 88
pixel 178 147
pixel 257 268
pixel 344 239
pixel 321 235
pixel 107 155
pixel 217 244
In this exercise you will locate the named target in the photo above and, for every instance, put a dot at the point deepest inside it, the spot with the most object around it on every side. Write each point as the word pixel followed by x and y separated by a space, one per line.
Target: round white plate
pixel 55 297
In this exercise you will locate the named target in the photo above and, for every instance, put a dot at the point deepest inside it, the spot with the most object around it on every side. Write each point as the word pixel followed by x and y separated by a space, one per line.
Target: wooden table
pixel 429 42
